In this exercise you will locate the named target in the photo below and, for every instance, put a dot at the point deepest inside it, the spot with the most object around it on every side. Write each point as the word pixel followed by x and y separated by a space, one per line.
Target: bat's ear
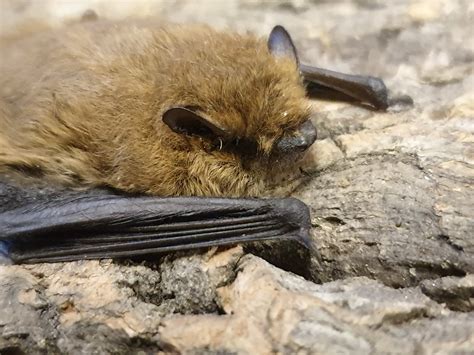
pixel 281 45
pixel 186 121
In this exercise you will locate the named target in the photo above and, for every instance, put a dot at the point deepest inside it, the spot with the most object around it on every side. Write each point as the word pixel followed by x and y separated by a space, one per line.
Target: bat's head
pixel 250 102
pixel 264 111
pixel 258 108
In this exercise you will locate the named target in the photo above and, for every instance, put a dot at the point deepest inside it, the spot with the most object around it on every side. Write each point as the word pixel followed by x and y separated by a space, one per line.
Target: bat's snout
pixel 308 134
pixel 304 138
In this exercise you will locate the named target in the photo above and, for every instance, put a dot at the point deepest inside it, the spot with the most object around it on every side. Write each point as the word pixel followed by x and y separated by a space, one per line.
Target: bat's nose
pixel 307 135
pixel 302 140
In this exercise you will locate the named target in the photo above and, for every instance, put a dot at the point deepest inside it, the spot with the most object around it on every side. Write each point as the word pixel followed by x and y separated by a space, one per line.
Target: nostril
pixel 302 143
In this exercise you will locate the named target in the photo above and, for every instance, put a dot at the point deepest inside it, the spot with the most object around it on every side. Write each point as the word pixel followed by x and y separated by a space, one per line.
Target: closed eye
pixel 239 145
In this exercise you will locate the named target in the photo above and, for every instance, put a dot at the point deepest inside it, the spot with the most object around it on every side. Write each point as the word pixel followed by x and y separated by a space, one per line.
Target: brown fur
pixel 83 105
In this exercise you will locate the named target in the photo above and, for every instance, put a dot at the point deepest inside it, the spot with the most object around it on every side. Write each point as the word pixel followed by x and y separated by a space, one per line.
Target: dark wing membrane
pixel 83 225
pixel 327 83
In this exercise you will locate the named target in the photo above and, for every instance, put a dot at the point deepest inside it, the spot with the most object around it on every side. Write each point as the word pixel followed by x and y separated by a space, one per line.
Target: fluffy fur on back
pixel 84 105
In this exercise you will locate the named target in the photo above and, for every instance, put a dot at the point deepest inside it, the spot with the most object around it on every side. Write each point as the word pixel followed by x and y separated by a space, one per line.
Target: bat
pixel 129 139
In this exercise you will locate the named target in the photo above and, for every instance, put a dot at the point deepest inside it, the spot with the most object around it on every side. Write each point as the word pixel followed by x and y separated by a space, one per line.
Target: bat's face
pixel 257 110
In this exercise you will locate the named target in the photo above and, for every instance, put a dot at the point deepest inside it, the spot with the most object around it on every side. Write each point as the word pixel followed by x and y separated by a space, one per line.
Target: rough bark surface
pixel 391 195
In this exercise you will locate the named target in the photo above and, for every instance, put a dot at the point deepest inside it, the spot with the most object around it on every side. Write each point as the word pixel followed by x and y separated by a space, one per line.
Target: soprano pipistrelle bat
pixel 152 139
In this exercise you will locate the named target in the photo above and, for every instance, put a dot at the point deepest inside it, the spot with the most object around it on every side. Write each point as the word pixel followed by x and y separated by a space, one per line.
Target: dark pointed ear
pixel 281 45
pixel 186 121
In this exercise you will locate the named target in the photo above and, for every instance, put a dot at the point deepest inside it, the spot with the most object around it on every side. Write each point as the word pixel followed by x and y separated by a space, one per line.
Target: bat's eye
pixel 246 146
pixel 300 141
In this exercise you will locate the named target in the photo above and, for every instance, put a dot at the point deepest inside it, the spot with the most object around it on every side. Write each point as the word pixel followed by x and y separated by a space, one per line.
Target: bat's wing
pixel 84 225
pixel 330 84
pixel 323 83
